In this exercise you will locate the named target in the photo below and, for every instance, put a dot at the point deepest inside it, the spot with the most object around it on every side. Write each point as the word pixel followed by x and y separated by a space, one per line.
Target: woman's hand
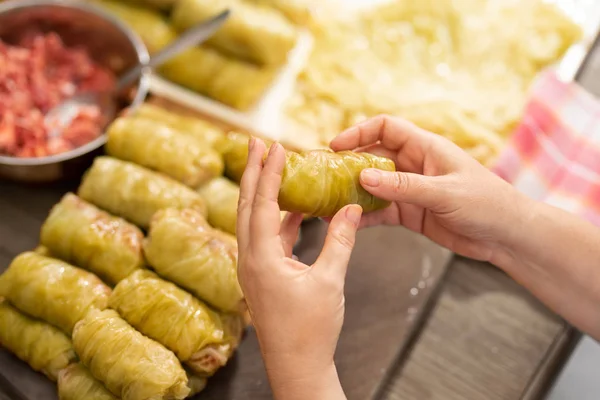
pixel 439 191
pixel 443 193
pixel 297 309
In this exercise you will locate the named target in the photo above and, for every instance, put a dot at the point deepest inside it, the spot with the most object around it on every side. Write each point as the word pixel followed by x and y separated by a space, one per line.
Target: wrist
pixel 296 380
pixel 515 229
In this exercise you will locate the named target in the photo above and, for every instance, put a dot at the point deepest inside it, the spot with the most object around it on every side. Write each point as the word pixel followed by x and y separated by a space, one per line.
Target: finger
pixel 340 241
pixel 387 216
pixel 424 191
pixel 411 216
pixel 408 215
pixel 289 231
pixel 265 221
pixel 378 150
pixel 392 132
pixel 256 149
pixel 408 161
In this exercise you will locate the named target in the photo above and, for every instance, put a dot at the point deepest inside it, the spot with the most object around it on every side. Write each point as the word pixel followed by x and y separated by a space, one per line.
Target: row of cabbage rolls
pixel 239 62
pixel 136 274
pixel 133 292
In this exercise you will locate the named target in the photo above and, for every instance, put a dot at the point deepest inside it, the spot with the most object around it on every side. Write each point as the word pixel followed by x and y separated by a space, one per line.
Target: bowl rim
pixel 143 86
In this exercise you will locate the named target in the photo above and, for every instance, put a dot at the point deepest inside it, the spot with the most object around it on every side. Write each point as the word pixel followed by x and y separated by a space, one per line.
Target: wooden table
pixel 487 338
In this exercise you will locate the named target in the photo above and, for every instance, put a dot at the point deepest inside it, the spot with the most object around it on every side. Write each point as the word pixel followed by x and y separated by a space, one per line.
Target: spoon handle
pixel 192 37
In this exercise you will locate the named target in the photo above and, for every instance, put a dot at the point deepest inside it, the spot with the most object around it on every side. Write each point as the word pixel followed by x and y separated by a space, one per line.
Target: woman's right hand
pixel 439 190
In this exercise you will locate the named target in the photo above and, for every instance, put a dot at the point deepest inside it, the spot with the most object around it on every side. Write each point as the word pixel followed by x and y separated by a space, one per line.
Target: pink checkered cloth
pixel 554 155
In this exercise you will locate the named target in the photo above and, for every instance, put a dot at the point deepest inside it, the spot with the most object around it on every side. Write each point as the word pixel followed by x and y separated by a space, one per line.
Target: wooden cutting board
pixel 392 276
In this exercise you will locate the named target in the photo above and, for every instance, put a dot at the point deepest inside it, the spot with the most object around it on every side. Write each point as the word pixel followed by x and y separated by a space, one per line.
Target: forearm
pixel 556 256
pixel 295 380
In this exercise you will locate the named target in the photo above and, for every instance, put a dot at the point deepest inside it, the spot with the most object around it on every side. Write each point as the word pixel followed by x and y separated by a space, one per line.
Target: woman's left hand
pixel 297 309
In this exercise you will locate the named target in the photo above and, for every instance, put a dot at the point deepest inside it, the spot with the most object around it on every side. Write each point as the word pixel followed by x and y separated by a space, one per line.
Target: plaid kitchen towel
pixel 554 154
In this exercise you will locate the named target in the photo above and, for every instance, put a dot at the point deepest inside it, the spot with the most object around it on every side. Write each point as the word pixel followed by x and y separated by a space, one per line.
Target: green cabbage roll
pixel 52 290
pixel 77 383
pixel 257 34
pixel 208 132
pixel 154 30
pixel 130 365
pixel 299 12
pixel 228 80
pixel 157 146
pixel 221 196
pixel 174 318
pixel 45 348
pixel 320 182
pixel 316 183
pixel 80 233
pixel 133 192
pixel 184 249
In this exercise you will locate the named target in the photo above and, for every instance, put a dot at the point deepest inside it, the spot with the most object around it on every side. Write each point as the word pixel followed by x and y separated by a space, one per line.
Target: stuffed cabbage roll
pixel 52 290
pixel 157 146
pixel 133 192
pixel 77 383
pixel 316 183
pixel 231 81
pixel 174 318
pixel 253 33
pixel 45 348
pixel 80 233
pixel 320 182
pixel 151 26
pixel 299 12
pixel 221 196
pixel 184 249
pixel 130 365
pixel 209 133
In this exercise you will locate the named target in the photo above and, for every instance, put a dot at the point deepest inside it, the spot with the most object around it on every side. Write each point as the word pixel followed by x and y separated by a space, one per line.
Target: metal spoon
pixel 63 114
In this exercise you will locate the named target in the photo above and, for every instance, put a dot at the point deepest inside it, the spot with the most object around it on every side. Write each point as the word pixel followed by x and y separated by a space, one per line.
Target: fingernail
pixel 353 213
pixel 273 148
pixel 251 143
pixel 371 177
pixel 345 133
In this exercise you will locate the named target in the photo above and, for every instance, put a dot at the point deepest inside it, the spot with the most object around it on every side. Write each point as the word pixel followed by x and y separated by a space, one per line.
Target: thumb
pixel 403 187
pixel 339 242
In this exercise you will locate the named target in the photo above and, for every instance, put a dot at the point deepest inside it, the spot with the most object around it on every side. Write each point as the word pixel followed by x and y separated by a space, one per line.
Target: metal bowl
pixel 109 42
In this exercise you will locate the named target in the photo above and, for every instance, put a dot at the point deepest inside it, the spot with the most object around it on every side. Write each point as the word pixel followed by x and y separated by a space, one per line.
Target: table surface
pixel 487 337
